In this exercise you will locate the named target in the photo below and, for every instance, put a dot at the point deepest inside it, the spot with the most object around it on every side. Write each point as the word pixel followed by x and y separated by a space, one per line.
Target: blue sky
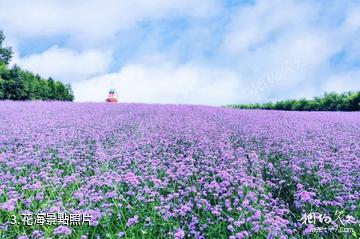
pixel 194 52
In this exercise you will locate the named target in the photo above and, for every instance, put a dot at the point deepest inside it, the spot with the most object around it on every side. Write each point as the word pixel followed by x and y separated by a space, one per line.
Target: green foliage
pixel 18 84
pixel 5 52
pixel 348 101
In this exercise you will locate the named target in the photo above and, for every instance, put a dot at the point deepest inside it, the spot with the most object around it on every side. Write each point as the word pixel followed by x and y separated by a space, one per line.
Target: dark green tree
pixel 52 89
pixel 17 84
pixel 348 101
pixel 3 75
pixel 6 53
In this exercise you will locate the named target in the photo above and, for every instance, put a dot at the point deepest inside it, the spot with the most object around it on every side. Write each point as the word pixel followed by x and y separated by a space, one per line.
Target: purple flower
pixel 36 234
pixel 241 235
pixel 9 205
pixel 230 228
pixel 62 230
pixel 179 233
pixel 35 186
pixel 131 179
pixel 178 162
pixel 22 237
pixel 132 221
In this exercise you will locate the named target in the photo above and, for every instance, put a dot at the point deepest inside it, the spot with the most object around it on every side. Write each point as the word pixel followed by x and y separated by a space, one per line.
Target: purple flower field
pixel 167 171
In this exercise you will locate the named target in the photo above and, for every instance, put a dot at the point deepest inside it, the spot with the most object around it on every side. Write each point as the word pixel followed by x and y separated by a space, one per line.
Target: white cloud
pixel 342 82
pixel 219 57
pixel 260 24
pixel 352 21
pixel 66 64
pixel 263 38
pixel 165 83
pixel 90 20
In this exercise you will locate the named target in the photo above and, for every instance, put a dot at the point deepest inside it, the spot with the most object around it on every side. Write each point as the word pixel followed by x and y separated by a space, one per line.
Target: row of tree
pixel 18 84
pixel 349 101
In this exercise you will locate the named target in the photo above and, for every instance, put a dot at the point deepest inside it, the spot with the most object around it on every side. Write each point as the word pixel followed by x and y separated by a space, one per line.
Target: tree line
pixel 19 84
pixel 348 101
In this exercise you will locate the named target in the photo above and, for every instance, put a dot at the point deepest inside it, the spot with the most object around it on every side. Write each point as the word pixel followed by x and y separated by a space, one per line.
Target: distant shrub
pixel 348 101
